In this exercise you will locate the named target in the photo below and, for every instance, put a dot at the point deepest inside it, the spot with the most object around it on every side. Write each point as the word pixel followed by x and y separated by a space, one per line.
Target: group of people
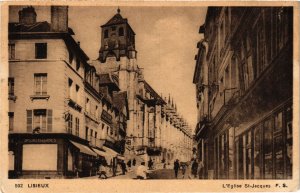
pixel 196 169
pixel 104 168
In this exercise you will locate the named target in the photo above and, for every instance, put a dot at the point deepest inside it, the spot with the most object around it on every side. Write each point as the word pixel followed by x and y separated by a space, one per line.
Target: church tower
pixel 117 39
pixel 117 55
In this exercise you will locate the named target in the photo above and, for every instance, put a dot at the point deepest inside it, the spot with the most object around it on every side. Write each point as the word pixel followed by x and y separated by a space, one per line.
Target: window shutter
pixel 29 120
pixel 49 120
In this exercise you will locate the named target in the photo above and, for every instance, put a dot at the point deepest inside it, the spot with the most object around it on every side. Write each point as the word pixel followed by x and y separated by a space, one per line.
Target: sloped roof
pixel 43 26
pixel 116 19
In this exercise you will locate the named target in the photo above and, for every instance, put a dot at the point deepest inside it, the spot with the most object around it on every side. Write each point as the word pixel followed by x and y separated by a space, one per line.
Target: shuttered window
pixel 49 120
pixel 39 118
pixel 29 120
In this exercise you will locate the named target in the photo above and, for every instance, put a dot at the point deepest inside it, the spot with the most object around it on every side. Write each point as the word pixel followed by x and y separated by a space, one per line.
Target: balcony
pixel 74 104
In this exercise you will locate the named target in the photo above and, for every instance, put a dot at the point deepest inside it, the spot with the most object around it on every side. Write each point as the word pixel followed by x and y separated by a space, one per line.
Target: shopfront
pixel 265 150
pixel 50 156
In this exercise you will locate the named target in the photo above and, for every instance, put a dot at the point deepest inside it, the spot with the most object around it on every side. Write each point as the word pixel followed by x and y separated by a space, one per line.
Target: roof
pixel 43 30
pixel 43 26
pixel 153 93
pixel 116 19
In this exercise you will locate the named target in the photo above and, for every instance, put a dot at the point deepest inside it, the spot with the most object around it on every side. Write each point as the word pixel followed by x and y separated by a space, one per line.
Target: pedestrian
pixel 150 163
pixel 133 162
pixel 141 172
pixel 176 167
pixel 129 164
pixel 123 167
pixel 102 170
pixel 195 168
pixel 183 167
pixel 201 169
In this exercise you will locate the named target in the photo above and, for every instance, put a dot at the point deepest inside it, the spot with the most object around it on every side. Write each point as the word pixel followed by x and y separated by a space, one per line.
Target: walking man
pixel 176 167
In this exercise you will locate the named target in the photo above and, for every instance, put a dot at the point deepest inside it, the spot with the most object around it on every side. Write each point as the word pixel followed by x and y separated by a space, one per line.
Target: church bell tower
pixel 117 39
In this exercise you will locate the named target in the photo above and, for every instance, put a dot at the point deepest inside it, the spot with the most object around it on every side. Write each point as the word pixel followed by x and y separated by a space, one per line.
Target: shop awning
pixel 120 157
pixel 110 151
pixel 83 148
pixel 99 152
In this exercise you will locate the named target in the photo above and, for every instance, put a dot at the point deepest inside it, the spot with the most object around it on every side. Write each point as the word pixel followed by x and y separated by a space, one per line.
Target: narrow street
pixel 153 174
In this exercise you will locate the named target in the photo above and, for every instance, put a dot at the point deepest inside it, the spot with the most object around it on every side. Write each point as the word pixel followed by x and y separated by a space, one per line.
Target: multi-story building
pixel 58 107
pixel 243 79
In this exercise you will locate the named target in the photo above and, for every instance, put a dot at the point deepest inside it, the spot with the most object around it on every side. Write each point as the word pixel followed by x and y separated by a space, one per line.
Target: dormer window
pixel 106 33
pixel 121 31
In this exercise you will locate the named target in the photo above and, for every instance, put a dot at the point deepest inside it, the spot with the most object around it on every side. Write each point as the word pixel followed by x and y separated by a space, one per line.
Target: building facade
pixel 244 82
pixel 57 107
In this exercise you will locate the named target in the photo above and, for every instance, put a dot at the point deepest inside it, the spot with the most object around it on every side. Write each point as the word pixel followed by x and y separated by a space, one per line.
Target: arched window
pixel 121 31
pixel 106 33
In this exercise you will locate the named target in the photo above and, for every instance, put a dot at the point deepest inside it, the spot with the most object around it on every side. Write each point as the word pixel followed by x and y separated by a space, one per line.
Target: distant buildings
pixel 243 78
pixel 66 115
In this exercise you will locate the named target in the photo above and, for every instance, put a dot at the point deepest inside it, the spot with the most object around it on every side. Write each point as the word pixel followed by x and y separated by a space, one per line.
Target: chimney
pixel 27 15
pixel 59 18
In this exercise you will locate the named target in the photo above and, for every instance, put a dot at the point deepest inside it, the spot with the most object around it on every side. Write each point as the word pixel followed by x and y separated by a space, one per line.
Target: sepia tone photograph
pixel 150 93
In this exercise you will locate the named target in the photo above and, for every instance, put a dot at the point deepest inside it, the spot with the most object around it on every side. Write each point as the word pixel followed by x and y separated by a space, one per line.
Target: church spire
pixel 118 10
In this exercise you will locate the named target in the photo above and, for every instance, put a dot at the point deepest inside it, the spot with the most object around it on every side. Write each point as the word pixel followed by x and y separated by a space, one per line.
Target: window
pixel 96 113
pixel 11 51
pixel 77 126
pixel 91 134
pixel 40 81
pixel 289 143
pixel 248 150
pixel 268 159
pixel 40 121
pixel 77 94
pixel 11 121
pixel 41 50
pixel 70 82
pixel 11 86
pixel 113 28
pixel 121 31
pixel 87 105
pixel 77 64
pixel 70 124
pixel 86 133
pixel 106 33
pixel 257 152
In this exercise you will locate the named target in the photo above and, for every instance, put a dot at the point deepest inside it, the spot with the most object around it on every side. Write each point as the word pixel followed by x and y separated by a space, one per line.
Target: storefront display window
pixel 230 151
pixel 248 150
pixel 268 161
pixel 257 152
pixel 289 143
pixel 278 146
pixel 240 158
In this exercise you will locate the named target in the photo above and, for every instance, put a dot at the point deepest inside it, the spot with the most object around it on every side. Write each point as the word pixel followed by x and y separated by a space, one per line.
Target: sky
pixel 166 42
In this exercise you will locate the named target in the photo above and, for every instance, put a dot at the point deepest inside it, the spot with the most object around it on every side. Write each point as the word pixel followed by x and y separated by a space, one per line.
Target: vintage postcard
pixel 121 96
